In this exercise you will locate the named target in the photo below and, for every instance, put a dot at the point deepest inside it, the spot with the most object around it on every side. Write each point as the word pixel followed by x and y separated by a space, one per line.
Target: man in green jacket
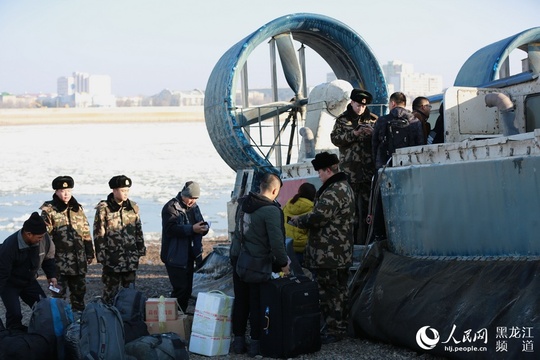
pixel 259 224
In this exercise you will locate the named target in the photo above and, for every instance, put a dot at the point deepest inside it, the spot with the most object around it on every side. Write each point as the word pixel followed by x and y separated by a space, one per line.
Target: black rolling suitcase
pixel 291 324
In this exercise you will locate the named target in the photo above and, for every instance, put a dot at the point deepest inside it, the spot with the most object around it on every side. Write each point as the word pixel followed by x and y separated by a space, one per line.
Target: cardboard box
pixel 209 346
pixel 181 326
pixel 211 324
pixel 162 308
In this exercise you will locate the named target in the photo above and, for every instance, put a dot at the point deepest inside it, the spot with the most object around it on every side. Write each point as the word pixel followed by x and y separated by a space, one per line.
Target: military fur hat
pixel 35 224
pixel 361 96
pixel 324 160
pixel 63 182
pixel 119 181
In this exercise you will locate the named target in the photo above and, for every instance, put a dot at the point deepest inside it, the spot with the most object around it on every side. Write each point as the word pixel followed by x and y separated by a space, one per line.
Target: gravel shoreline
pixel 153 281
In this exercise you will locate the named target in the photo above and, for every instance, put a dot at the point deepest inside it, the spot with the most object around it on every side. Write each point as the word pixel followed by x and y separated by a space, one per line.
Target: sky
pixel 146 46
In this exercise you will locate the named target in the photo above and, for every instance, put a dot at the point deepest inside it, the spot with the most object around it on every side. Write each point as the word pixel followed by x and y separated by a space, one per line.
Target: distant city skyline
pixel 146 47
pixel 81 89
pixel 394 70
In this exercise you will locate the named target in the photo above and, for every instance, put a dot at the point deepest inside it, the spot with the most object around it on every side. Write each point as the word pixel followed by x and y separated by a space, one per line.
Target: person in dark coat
pixel 421 110
pixel 380 142
pixel 383 146
pixel 259 224
pixel 183 228
pixel 21 256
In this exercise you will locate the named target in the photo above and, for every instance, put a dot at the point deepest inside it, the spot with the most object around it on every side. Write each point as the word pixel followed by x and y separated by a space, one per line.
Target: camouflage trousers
pixel 112 281
pixel 77 289
pixel 362 192
pixel 334 299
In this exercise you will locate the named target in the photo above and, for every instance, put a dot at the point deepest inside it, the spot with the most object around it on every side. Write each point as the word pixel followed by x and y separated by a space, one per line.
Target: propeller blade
pixel 250 116
pixel 289 62
pixel 253 115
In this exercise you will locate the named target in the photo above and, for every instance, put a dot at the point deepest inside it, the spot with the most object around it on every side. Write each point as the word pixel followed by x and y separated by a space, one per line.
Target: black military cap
pixel 63 182
pixel 324 160
pixel 119 181
pixel 361 96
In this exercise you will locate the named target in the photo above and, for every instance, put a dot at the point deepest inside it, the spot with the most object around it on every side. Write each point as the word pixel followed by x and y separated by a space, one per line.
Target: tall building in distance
pixel 401 77
pixel 65 86
pixel 85 90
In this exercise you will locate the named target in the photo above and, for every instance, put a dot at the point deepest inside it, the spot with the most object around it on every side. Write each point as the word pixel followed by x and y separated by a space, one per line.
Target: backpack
pixel 50 318
pixel 397 135
pixel 167 346
pixel 131 304
pixel 102 332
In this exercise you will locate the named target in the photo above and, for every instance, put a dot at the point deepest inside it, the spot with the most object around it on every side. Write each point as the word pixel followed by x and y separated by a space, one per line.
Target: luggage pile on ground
pixel 137 327
pixel 103 331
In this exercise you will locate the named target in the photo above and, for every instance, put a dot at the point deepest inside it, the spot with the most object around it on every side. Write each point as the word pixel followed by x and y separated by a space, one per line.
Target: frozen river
pixel 158 157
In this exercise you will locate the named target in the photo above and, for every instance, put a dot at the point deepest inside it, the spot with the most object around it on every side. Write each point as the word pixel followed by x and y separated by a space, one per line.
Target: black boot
pixel 254 348
pixel 239 345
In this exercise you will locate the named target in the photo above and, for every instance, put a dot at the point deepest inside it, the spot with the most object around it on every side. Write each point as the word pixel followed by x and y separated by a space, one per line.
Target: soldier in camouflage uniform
pixel 69 229
pixel 352 135
pixel 329 250
pixel 118 237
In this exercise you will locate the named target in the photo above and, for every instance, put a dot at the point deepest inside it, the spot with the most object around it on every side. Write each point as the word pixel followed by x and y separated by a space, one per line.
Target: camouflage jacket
pixel 330 224
pixel 69 229
pixel 355 152
pixel 118 235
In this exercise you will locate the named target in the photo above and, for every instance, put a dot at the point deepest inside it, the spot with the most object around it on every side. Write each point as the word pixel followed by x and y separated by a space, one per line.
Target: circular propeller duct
pixel 345 52
pixel 485 64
